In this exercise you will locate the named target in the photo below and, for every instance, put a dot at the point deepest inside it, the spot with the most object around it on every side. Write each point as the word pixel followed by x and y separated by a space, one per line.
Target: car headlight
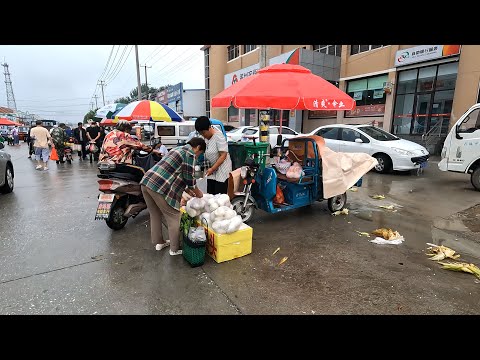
pixel 403 152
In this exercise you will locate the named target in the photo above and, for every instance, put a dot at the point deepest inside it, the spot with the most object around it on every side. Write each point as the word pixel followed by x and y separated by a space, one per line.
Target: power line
pixel 111 80
pixel 107 79
pixel 111 66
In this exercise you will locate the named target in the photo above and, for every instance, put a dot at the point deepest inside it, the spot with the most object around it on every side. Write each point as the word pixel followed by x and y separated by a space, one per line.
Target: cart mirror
pixel 358 140
pixel 279 140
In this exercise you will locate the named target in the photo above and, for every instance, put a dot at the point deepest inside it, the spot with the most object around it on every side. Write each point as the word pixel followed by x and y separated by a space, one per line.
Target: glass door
pixel 421 114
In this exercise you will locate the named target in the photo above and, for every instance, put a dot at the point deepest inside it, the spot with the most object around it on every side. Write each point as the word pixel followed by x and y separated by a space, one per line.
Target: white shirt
pixel 216 144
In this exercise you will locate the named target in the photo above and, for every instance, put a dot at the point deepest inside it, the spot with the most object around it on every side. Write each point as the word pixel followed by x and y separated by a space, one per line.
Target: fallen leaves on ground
pixel 461 266
pixel 283 260
pixel 378 197
pixel 354 189
pixel 440 252
pixel 278 249
pixel 388 207
pixel 387 234
pixel 362 233
pixel 339 212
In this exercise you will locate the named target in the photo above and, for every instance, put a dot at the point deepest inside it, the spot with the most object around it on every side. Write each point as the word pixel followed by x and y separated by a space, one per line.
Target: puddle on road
pixel 450 224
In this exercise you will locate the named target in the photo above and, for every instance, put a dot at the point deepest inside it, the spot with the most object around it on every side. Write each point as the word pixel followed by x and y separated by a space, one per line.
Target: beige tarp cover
pixel 342 170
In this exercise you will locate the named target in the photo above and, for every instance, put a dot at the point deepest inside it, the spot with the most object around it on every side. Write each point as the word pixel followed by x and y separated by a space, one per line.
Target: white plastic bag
pixel 197 234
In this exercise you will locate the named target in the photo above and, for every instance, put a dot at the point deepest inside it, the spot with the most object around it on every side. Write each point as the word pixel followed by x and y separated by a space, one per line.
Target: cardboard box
pixel 224 247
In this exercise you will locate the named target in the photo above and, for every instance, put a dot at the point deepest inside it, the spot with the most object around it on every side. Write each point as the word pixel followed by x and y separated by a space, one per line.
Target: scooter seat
pixel 125 172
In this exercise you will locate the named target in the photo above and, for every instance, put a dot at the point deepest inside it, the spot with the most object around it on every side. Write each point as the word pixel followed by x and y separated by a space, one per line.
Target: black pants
pixel 216 187
pixel 83 153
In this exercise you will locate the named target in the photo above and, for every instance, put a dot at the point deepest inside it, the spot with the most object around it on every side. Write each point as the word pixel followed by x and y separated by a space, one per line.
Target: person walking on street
pixel 59 138
pixel 80 134
pixel 16 139
pixel 31 149
pixel 93 135
pixel 162 188
pixel 217 155
pixel 42 139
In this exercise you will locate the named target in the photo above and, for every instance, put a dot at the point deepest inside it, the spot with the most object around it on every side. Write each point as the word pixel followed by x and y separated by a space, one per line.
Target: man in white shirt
pixel 42 140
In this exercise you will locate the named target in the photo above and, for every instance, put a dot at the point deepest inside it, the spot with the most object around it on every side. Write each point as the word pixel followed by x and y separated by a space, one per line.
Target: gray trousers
pixel 159 210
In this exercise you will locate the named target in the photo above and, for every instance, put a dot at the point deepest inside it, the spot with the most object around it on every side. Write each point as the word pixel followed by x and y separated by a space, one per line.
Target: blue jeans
pixel 42 154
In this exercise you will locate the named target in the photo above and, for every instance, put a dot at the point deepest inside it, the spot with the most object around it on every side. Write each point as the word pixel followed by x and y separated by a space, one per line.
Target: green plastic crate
pixel 261 149
pixel 193 252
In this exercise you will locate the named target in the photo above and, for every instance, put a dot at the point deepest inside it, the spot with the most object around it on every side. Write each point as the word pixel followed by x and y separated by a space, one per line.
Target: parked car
pixel 229 127
pixel 287 133
pixel 6 171
pixel 236 134
pixel 392 152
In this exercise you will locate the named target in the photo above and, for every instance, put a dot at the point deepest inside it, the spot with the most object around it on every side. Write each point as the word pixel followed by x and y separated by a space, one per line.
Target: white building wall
pixel 193 103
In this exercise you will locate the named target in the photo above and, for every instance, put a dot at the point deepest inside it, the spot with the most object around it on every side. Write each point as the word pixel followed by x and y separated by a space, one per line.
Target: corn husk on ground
pixel 442 252
pixel 387 234
pixel 461 266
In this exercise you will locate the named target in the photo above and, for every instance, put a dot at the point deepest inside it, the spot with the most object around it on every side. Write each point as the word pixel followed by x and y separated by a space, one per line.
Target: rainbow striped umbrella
pixel 147 110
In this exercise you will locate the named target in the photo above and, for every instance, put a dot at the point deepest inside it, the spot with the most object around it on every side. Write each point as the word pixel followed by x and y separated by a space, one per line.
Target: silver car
pixel 6 171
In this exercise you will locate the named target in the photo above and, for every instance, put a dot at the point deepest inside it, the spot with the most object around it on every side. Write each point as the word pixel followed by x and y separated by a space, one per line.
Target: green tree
pixel 89 115
pixel 123 100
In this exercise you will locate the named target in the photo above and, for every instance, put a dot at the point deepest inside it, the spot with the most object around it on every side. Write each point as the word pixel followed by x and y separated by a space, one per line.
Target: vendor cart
pixel 260 186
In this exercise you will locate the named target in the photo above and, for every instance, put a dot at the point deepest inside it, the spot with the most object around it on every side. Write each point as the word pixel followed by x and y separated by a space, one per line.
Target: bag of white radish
pixel 213 202
pixel 195 206
pixel 227 226
pixel 224 213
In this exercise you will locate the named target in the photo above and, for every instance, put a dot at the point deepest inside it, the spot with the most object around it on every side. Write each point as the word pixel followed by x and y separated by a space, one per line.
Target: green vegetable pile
pixel 186 222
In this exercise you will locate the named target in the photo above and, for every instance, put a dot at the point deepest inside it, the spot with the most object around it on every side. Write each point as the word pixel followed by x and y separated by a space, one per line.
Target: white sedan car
pixel 274 131
pixel 237 133
pixel 392 152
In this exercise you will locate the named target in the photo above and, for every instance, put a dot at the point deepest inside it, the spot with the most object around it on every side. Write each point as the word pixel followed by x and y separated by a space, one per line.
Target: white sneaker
pixel 159 247
pixel 45 168
pixel 178 252
pixel 39 167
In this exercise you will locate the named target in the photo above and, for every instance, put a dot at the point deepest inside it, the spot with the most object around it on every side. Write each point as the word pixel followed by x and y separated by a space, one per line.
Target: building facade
pixel 415 91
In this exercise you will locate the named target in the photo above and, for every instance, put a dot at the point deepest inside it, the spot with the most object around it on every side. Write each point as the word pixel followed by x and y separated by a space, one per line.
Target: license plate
pixel 423 165
pixel 106 198
pixel 103 210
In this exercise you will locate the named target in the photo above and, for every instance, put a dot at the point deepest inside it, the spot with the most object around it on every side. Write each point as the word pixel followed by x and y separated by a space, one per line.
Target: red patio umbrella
pixel 7 122
pixel 284 87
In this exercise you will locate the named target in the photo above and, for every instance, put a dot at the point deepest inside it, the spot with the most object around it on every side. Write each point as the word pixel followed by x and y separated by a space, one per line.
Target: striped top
pixel 171 175
pixel 216 144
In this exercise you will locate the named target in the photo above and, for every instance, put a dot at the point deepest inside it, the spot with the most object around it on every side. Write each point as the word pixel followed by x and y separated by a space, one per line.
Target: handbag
pixel 54 154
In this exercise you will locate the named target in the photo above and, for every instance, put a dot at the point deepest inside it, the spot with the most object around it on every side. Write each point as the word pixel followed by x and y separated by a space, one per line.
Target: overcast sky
pixel 59 81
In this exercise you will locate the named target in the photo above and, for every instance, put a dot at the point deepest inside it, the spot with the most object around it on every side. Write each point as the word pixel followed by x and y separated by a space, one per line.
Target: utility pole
pixel 102 84
pixel 138 74
pixel 146 81
pixel 96 105
pixel 91 105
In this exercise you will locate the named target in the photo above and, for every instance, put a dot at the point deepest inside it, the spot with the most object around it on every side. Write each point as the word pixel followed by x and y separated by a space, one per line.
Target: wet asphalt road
pixel 56 259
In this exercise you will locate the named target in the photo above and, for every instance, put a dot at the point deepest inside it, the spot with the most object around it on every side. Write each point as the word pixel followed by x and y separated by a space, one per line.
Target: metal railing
pixel 433 134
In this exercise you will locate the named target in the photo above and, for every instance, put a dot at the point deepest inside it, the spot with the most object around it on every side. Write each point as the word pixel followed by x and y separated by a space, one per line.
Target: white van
pixel 173 132
pixel 461 149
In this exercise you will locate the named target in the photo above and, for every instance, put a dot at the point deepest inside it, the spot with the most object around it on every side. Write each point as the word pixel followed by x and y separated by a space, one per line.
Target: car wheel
pixel 475 179
pixel 384 163
pixel 8 186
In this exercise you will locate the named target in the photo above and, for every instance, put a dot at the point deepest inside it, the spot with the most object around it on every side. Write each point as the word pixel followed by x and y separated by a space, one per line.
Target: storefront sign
pixel 424 53
pixel 233 77
pixel 162 97
pixel 318 114
pixel 367 110
pixel 174 93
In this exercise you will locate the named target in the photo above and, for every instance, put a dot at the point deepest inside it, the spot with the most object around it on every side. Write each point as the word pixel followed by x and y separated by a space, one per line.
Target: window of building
pixel 248 48
pixel 233 51
pixel 207 81
pixel 369 96
pixel 424 99
pixel 356 49
pixel 329 49
pixel 233 115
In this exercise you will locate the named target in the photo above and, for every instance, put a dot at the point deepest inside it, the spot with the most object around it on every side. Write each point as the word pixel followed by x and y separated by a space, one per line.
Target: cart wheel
pixel 337 203
pixel 247 214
